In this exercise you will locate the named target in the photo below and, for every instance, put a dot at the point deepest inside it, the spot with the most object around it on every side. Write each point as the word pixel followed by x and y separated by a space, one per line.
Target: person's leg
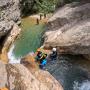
pixel 41 66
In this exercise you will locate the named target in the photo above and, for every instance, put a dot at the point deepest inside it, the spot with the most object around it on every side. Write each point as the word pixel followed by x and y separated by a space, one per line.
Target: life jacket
pixel 44 62
pixel 54 55
pixel 43 57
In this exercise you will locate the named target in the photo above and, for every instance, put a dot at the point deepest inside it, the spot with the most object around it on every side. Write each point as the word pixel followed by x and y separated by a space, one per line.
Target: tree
pixel 45 6
pixel 26 6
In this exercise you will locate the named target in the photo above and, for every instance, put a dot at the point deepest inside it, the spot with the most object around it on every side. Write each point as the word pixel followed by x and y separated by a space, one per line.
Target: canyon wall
pixel 9 13
pixel 18 77
pixel 69 29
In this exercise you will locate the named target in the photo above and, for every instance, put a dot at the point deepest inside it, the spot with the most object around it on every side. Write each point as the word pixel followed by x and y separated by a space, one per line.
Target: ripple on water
pixel 72 73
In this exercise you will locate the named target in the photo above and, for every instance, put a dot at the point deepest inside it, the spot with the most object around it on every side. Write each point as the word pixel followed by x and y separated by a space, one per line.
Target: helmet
pixel 54 49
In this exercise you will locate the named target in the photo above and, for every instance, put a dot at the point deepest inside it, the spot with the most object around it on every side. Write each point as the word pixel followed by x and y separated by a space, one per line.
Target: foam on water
pixel 11 56
pixel 85 85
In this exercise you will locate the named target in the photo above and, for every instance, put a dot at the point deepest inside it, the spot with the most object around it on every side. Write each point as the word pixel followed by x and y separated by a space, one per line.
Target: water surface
pixel 73 72
pixel 28 41
pixel 30 38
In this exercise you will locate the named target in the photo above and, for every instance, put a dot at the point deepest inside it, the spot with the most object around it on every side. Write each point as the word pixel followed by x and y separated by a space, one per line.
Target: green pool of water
pixel 29 39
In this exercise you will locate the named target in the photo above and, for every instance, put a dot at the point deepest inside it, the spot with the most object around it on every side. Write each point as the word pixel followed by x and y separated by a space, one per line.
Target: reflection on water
pixel 71 71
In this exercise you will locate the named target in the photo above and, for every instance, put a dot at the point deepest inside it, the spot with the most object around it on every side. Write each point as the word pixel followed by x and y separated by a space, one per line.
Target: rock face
pixel 9 11
pixel 69 29
pixel 18 77
pixel 8 41
pixel 3 75
pixel 44 77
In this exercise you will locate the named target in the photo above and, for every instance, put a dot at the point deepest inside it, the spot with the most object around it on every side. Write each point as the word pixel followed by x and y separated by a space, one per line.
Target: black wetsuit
pixel 53 56
pixel 39 55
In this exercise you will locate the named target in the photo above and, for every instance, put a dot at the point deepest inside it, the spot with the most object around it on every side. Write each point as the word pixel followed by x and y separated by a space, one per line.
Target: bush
pixel 48 6
pixel 42 6
pixel 26 6
pixel 45 6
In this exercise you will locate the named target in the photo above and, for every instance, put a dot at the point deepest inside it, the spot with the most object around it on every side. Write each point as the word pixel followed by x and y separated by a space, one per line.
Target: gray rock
pixel 9 11
pixel 5 26
pixel 68 29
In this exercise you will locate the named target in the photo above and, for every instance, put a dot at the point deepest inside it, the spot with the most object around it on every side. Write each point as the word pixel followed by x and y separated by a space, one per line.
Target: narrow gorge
pixel 26 25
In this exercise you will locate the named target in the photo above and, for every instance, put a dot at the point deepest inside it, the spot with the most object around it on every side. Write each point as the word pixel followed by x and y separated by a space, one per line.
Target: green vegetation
pixel 26 6
pixel 45 6
pixel 42 6
pixel 69 1
pixel 48 6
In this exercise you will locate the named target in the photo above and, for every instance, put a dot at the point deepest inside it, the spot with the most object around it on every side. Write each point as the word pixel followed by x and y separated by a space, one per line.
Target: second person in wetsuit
pixel 53 56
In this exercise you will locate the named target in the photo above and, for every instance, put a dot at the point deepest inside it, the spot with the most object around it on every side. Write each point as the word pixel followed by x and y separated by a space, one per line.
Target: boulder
pixel 8 41
pixel 48 80
pixel 18 77
pixel 9 11
pixel 42 76
pixel 68 29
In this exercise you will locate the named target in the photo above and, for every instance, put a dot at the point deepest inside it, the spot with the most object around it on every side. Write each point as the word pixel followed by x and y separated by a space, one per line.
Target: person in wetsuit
pixel 43 61
pixel 53 55
pixel 39 55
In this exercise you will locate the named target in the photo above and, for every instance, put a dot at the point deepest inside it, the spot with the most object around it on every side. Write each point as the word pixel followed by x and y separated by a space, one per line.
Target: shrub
pixel 45 6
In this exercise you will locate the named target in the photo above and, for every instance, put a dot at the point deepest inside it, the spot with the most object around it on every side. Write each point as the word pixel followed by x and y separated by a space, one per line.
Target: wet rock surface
pixel 68 29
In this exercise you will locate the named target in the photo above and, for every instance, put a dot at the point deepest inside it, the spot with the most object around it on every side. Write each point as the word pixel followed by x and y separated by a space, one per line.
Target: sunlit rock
pixel 18 77
pixel 69 29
